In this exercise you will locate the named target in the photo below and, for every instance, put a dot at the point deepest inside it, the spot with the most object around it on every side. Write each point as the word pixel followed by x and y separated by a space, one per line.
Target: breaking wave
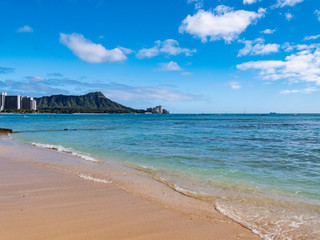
pixel 65 150
pixel 99 180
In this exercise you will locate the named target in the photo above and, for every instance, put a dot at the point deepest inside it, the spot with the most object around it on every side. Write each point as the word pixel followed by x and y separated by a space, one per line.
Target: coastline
pixel 53 203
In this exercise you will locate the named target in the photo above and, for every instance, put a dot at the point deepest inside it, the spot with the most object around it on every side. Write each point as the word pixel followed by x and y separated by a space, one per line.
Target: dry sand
pixel 38 202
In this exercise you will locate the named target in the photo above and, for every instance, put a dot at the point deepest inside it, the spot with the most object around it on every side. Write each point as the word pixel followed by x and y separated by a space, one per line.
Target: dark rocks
pixel 5 131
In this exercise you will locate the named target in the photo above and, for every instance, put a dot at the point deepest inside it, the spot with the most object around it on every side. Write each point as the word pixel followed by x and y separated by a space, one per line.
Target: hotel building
pixel 16 102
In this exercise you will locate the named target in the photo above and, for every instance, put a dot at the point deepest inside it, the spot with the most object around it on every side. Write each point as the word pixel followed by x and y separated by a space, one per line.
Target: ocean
pixel 260 170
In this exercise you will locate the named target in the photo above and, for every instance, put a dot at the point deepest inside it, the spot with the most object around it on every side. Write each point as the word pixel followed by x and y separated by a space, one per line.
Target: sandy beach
pixel 39 202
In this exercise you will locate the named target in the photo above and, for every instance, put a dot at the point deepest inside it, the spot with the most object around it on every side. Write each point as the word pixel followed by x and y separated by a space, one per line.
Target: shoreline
pixel 85 206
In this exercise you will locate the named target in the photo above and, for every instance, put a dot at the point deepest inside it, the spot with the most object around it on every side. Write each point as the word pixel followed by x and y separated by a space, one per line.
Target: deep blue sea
pixel 260 170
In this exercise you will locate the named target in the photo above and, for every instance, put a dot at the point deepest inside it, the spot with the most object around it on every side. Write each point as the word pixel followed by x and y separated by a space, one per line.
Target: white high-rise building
pixel 16 102
pixel 28 103
pixel 33 104
pixel 2 100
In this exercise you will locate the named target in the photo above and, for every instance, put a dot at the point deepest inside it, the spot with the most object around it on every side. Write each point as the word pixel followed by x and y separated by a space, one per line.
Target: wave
pixel 269 218
pixel 232 215
pixel 59 148
pixel 142 168
pixel 99 180
pixel 264 220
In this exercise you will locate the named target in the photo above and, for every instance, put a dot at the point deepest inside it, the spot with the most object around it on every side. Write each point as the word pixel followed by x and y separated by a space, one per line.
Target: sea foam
pixel 65 150
pixel 99 180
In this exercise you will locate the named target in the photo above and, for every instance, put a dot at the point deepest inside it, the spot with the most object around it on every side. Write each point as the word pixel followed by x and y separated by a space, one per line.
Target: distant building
pixel 28 103
pixel 12 102
pixel 33 105
pixel 157 110
pixel 2 100
pixel 16 102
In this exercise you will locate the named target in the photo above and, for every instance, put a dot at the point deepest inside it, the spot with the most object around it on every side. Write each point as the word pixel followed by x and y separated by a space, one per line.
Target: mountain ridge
pixel 93 102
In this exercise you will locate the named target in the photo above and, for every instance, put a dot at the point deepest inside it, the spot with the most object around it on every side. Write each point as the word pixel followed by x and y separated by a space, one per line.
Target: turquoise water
pixel 267 163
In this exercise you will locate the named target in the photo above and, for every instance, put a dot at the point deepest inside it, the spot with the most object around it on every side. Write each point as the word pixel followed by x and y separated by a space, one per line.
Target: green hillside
pixel 94 102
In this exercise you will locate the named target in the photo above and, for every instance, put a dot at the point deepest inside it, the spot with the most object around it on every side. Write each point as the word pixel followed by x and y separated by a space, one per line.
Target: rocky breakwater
pixel 5 131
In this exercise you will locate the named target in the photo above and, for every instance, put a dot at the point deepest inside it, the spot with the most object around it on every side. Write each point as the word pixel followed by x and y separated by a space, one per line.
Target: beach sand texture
pixel 38 202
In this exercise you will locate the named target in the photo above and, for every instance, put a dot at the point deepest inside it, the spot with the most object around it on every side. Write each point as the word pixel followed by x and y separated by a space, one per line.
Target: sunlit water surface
pixel 260 170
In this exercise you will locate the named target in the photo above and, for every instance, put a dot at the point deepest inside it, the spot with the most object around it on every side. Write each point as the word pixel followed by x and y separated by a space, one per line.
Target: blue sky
pixel 191 56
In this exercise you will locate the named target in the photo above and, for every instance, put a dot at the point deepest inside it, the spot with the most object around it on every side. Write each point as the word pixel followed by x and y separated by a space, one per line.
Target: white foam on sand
pixel 99 180
pixel 65 150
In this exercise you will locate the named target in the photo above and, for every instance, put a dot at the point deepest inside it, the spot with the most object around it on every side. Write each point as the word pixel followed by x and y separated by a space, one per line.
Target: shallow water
pixel 260 170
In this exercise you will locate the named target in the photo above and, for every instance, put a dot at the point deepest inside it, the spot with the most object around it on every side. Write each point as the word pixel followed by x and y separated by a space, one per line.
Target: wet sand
pixel 38 202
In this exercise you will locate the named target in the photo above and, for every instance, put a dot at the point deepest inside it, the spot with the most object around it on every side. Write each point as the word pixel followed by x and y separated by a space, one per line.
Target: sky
pixel 190 56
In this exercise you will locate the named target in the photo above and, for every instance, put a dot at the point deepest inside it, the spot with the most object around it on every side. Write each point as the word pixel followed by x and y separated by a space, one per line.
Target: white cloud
pixel 249 1
pixel 287 47
pixel 148 52
pixel 299 47
pixel 125 50
pixel 147 93
pixel 257 47
pixel 221 23
pixel 301 66
pixel 197 3
pixel 171 47
pixel 36 79
pixel 234 85
pixel 317 13
pixel 289 91
pixel 168 47
pixel 267 67
pixel 140 95
pixel 25 28
pixel 288 16
pixel 310 90
pixel 291 3
pixel 268 31
pixel 306 90
pixel 311 37
pixel 170 66
pixel 91 52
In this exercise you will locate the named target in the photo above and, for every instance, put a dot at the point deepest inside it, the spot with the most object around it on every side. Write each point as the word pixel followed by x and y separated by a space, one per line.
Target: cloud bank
pixel 301 66
pixel 306 90
pixel 39 86
pixel 125 93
